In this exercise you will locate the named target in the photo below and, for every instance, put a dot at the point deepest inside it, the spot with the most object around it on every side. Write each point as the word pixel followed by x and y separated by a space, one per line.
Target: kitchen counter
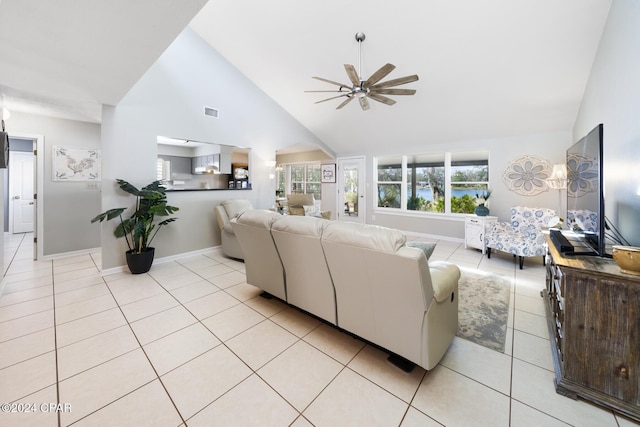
pixel 205 189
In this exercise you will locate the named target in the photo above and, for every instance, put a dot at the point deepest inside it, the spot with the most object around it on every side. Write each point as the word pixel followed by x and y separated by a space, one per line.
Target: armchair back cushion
pixel 235 207
pixel 297 202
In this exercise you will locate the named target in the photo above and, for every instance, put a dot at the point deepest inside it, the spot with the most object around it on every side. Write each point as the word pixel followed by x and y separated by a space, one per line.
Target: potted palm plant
pixel 141 227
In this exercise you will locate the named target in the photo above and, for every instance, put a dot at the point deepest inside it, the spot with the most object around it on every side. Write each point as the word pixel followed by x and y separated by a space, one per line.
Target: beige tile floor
pixel 191 343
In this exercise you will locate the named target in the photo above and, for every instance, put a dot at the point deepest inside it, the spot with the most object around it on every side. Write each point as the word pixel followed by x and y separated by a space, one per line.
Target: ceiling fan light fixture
pixel 360 91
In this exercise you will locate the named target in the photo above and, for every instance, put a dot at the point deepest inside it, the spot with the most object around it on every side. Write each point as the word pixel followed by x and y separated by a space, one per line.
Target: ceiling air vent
pixel 211 112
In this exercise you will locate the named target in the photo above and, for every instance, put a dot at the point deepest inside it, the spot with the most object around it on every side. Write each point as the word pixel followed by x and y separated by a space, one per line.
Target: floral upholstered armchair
pixel 522 236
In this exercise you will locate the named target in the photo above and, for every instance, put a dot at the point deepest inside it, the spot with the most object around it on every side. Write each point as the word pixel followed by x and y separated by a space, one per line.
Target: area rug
pixel 483 308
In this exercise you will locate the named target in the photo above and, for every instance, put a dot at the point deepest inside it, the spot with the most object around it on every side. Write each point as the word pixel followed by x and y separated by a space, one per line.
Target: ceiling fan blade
pixel 345 102
pixel 397 82
pixel 393 91
pixel 333 97
pixel 381 98
pixel 364 104
pixel 379 75
pixel 331 81
pixel 353 75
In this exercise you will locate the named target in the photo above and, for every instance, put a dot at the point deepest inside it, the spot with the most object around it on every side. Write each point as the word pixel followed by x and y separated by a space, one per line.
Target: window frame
pixel 304 183
pixel 448 182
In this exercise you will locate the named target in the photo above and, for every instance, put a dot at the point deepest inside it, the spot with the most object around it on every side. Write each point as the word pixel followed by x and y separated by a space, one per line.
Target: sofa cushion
pixel 308 226
pixel 235 207
pixel 427 247
pixel 365 236
pixel 258 218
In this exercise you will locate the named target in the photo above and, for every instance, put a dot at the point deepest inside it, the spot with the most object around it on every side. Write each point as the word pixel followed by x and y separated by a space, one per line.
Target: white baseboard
pixel 69 254
pixel 123 268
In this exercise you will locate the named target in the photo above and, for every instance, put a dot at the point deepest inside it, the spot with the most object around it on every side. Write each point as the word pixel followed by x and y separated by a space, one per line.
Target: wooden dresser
pixel 593 312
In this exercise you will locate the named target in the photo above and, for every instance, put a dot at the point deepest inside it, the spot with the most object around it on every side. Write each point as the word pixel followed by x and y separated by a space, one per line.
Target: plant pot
pixel 482 210
pixel 140 263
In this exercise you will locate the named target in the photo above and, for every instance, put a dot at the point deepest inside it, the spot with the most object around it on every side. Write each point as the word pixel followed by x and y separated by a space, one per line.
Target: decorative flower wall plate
pixel 527 175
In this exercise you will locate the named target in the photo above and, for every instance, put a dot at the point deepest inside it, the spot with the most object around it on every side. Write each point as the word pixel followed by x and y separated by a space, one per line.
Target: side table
pixel 474 229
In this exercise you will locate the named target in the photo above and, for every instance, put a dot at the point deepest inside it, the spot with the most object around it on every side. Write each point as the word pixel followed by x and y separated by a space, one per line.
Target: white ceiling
pixel 65 58
pixel 488 69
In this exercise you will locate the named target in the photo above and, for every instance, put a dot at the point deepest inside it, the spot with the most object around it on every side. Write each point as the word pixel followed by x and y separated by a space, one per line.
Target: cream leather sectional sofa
pixel 362 278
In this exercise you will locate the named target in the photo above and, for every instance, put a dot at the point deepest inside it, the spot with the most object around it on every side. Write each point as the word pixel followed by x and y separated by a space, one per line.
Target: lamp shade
pixel 558 178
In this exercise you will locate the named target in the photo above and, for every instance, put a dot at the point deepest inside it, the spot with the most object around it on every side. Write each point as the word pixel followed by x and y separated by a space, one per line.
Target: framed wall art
pixel 328 173
pixel 76 164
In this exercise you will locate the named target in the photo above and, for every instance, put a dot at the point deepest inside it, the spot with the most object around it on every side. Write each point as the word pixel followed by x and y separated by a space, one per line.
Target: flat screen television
pixel 585 195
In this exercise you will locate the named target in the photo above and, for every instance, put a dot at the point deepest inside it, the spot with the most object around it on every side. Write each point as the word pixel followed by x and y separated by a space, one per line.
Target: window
pixel 469 177
pixel 163 169
pixel 389 181
pixel 425 182
pixel 313 181
pixel 280 181
pixel 429 179
pixel 300 178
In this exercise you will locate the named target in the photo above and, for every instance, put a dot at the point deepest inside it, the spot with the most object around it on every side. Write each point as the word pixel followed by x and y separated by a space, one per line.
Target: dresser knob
pixel 622 372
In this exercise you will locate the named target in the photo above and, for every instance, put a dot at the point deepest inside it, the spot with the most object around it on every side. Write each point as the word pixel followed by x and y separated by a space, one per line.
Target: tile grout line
pixel 55 342
pixel 514 311
pixel 155 371
pixel 55 338
pixel 513 344
pixel 199 321
pixel 254 371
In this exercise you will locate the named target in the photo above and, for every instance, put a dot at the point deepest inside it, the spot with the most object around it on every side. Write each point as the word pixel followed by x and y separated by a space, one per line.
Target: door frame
pixel 38 170
pixel 362 189
pixel 12 201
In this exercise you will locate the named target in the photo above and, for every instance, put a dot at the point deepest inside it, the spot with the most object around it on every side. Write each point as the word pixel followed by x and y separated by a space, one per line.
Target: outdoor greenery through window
pixel 436 182
pixel 390 182
pixel 300 178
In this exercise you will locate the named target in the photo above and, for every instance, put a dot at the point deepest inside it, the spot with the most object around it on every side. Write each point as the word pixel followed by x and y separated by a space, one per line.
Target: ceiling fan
pixel 370 88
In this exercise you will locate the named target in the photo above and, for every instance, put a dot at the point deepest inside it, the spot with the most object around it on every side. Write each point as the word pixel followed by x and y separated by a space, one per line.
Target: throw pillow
pixel 427 247
pixel 311 211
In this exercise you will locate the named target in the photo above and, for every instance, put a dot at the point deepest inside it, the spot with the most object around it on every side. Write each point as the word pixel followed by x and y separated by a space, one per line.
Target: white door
pixel 352 203
pixel 22 207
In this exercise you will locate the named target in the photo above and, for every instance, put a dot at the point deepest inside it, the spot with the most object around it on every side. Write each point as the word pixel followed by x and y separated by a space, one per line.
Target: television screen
pixel 585 198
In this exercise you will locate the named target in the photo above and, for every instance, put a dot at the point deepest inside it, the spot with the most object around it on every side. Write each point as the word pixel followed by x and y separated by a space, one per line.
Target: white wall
pixel 168 100
pixel 502 152
pixel 3 174
pixel 68 206
pixel 612 97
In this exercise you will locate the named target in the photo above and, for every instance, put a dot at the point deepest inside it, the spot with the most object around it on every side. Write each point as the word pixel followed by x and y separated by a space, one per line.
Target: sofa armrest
pixel 444 279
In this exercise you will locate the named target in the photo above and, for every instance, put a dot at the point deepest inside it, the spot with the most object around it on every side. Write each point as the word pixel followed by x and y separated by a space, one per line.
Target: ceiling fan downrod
pixel 360 38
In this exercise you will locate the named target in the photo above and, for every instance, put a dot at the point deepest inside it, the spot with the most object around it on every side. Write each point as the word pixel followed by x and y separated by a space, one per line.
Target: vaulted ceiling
pixel 487 69
pixel 65 58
